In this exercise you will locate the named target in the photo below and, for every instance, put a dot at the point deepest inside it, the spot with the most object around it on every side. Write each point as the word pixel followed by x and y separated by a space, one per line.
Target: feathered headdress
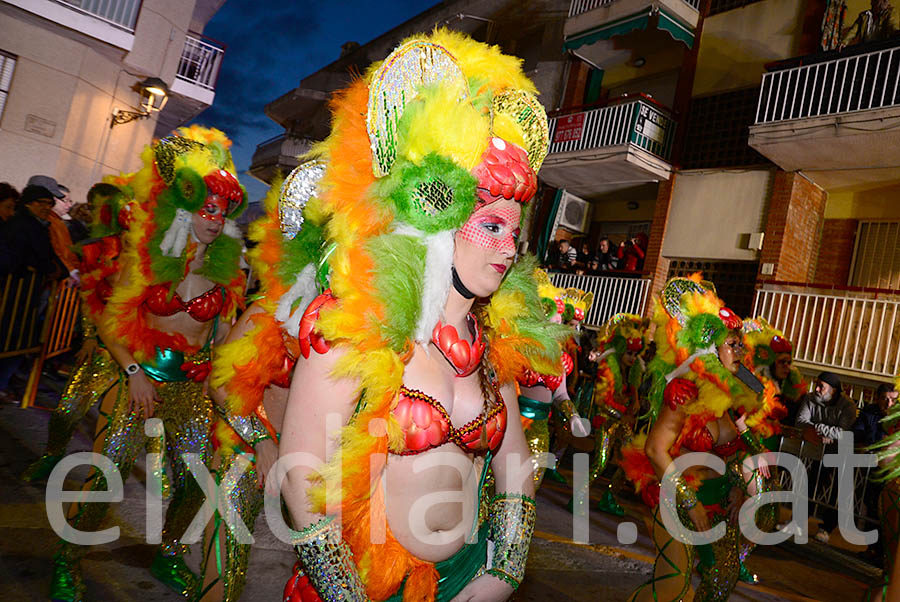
pixel 763 344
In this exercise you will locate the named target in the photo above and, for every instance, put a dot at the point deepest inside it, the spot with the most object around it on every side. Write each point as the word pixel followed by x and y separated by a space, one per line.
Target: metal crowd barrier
pixel 25 328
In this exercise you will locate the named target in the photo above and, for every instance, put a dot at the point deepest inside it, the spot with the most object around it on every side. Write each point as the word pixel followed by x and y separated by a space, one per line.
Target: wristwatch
pixel 132 369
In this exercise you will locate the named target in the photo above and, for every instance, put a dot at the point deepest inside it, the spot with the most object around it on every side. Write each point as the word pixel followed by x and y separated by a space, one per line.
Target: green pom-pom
pixel 549 306
pixel 433 196
pixel 568 313
pixel 188 190
pixel 701 331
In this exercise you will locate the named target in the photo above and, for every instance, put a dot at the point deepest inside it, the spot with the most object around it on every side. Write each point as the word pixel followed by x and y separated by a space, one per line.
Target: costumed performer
pixel 252 370
pixel 772 357
pixel 615 404
pixel 95 371
pixel 177 290
pixel 697 393
pixel 431 157
pixel 538 392
pixel 888 474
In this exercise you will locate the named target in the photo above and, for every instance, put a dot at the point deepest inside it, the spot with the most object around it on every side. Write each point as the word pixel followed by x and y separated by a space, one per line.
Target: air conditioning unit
pixel 574 213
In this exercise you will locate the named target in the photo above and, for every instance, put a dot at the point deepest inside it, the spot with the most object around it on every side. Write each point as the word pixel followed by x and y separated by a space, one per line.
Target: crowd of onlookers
pixel 38 229
pixel 627 256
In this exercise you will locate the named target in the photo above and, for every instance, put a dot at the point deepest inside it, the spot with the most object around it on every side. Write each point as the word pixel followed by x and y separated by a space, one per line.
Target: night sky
pixel 271 46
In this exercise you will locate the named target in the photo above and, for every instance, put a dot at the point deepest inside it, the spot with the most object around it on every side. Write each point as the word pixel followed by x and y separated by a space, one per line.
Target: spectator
pixel 593 266
pixel 630 255
pixel 825 416
pixel 868 428
pixel 8 198
pixel 79 225
pixel 584 255
pixel 870 25
pixel 567 255
pixel 59 232
pixel 607 258
pixel 25 238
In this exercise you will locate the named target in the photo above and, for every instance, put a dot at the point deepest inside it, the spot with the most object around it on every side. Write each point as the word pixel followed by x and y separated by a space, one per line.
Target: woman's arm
pixel 660 440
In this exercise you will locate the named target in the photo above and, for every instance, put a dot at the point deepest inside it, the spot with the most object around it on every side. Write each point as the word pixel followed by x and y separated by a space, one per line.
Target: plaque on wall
pixel 39 125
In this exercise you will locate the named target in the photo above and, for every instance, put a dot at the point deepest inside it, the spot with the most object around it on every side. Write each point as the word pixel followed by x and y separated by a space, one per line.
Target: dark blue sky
pixel 271 46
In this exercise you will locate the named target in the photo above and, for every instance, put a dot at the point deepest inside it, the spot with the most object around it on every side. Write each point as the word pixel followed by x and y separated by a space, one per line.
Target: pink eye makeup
pixel 494 228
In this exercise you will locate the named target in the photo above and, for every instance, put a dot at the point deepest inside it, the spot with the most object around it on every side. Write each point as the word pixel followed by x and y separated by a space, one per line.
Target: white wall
pixel 712 212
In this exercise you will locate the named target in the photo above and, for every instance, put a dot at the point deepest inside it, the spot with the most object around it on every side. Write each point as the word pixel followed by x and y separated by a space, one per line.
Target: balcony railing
pixel 638 122
pixel 842 329
pixel 578 7
pixel 200 62
pixel 278 146
pixel 612 295
pixel 121 13
pixel 842 85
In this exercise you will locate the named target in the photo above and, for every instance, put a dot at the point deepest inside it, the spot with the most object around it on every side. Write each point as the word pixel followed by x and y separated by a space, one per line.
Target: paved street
pixel 558 568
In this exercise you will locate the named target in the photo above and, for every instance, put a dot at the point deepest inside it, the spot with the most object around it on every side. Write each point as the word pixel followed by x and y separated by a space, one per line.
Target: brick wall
pixel 793 228
pixel 836 251
pixel 655 263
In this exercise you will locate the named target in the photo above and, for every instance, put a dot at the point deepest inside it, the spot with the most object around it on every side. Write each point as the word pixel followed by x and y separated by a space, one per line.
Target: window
pixel 718 129
pixel 721 6
pixel 876 262
pixel 7 64
pixel 735 280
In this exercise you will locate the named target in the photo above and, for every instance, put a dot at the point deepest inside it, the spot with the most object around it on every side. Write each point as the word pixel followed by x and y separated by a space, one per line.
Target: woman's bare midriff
pixel 430 498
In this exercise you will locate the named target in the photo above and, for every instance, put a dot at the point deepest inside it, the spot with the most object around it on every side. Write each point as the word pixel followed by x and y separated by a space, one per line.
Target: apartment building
pixel 85 84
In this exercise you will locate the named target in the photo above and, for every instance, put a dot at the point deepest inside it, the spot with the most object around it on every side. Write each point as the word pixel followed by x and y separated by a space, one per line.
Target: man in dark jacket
pixel 25 237
pixel 868 428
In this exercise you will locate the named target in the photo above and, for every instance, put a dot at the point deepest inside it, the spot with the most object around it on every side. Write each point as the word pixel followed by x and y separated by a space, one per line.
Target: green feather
pixel 398 275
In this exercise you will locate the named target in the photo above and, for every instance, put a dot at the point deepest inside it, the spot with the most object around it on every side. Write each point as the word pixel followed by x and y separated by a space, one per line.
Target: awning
pixel 639 20
pixel 679 32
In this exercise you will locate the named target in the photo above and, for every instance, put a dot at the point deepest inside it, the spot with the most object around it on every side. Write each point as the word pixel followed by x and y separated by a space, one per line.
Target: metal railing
pixel 638 122
pixel 844 85
pixel 612 295
pixel 281 145
pixel 121 13
pixel 849 330
pixel 200 62
pixel 578 7
pixel 20 325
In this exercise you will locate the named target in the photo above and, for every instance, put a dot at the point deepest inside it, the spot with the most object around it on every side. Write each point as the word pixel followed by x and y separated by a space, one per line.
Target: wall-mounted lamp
pixel 639 62
pixel 154 95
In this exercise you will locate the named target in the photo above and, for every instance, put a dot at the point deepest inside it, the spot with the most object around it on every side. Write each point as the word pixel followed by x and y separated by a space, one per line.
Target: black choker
pixel 459 286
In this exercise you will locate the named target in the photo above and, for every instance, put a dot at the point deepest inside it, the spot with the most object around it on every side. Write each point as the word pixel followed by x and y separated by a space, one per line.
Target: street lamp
pixel 154 95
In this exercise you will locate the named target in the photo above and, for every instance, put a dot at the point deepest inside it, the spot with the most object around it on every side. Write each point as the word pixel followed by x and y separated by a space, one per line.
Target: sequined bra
pixel 427 425
pixel 202 308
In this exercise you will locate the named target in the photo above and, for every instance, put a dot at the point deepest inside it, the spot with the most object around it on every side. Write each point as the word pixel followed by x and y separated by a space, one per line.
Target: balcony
pixel 110 21
pixel 194 87
pixel 834 115
pixel 612 294
pixel 277 155
pixel 621 145
pixel 592 23
pixel 849 330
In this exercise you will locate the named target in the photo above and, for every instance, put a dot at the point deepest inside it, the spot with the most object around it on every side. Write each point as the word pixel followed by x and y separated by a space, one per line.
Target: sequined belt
pixel 458 570
pixel 534 409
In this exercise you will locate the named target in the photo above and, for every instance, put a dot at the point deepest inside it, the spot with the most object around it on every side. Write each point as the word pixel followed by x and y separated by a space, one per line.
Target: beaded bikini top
pixel 426 425
pixel 202 308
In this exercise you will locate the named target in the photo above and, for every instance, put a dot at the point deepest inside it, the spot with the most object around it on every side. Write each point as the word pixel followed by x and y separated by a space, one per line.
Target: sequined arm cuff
pixel 88 328
pixel 568 410
pixel 753 442
pixel 686 496
pixel 249 428
pixel 328 562
pixel 512 524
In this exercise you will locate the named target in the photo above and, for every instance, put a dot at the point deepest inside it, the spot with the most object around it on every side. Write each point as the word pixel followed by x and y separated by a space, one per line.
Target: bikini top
pixel 701 440
pixel 202 308
pixel 426 425
pixel 551 381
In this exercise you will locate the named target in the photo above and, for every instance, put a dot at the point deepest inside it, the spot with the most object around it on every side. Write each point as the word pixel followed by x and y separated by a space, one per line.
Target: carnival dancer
pixel 95 371
pixel 699 402
pixel 179 286
pixel 538 392
pixel 252 370
pixel 615 405
pixel 429 321
pixel 888 474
